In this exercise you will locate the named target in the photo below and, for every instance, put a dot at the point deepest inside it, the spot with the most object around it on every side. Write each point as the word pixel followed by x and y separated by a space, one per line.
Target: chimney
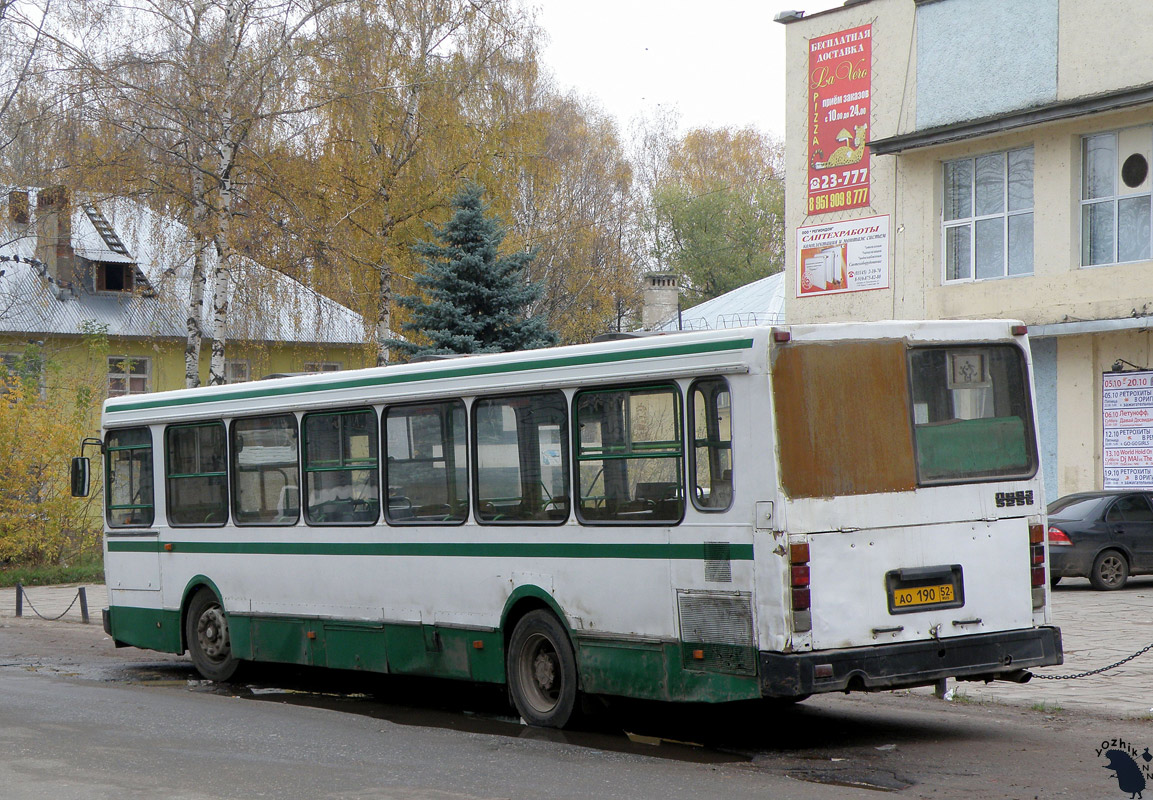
pixel 18 206
pixel 54 234
pixel 661 297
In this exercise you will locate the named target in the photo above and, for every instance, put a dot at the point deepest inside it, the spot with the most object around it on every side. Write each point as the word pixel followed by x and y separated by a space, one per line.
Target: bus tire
pixel 206 632
pixel 1110 570
pixel 542 674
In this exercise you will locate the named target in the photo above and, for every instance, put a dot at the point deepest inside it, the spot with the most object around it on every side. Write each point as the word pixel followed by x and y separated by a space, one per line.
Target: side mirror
pixel 80 476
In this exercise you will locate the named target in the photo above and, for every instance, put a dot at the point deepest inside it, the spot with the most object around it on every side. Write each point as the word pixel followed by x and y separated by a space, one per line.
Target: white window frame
pixel 237 364
pixel 1113 200
pixel 10 360
pixel 114 373
pixel 970 222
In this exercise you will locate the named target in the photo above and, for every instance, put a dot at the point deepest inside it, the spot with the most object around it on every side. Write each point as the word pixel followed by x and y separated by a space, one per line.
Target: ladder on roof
pixel 104 228
pixel 108 234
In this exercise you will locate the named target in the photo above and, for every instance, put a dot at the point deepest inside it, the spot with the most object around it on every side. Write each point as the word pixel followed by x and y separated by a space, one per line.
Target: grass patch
pixel 81 572
pixel 963 698
pixel 1046 708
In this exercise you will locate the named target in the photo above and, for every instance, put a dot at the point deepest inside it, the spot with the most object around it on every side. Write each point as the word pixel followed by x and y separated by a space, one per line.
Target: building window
pixel 26 369
pixel 322 366
pixel 988 216
pixel 1115 191
pixel 114 277
pixel 127 375
pixel 237 372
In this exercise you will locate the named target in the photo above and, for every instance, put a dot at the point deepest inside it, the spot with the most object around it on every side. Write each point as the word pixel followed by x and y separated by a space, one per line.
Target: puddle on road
pixel 801 742
pixel 858 778
pixel 496 724
pixel 419 703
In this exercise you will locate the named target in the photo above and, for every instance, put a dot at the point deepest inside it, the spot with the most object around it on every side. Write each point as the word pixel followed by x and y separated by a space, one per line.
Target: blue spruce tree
pixel 474 301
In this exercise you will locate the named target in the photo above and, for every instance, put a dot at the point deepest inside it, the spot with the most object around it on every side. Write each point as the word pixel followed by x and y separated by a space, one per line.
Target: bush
pixel 45 411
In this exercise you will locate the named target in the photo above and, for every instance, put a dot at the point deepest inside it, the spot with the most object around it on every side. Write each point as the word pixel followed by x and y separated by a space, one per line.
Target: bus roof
pixel 663 356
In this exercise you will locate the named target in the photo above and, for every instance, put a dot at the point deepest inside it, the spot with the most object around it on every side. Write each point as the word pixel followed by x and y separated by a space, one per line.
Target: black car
pixel 1102 536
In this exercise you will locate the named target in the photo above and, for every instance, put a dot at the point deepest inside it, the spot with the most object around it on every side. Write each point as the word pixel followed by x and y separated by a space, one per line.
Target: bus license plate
pixel 924 595
pixel 915 588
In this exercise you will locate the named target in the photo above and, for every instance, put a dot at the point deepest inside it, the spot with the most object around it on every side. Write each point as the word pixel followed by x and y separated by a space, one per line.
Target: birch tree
pixel 428 93
pixel 193 84
pixel 572 204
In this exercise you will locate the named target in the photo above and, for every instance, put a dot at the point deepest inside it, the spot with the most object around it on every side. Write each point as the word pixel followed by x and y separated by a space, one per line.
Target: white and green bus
pixel 709 516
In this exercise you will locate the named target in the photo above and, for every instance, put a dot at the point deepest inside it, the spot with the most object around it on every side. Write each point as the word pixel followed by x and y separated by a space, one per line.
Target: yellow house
pixel 112 266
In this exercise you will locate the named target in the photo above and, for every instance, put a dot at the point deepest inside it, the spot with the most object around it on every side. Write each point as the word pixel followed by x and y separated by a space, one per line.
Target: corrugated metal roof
pixel 761 302
pixel 265 305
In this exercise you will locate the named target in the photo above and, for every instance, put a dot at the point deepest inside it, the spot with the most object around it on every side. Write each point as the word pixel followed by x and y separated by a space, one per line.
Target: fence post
pixel 83 604
pixel 19 600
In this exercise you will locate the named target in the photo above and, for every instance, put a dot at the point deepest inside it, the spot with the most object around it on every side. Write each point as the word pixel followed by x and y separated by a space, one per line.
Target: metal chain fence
pixel 81 597
pixel 1097 671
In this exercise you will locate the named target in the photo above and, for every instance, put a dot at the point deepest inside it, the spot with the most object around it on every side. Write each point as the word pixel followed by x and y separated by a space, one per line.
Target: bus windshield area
pixel 971 413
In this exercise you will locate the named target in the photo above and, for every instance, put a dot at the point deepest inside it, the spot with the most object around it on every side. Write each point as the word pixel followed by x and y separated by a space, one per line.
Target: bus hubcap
pixel 540 667
pixel 212 633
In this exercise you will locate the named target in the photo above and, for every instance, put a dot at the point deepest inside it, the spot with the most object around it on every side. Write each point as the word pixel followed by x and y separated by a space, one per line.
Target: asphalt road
pixel 81 719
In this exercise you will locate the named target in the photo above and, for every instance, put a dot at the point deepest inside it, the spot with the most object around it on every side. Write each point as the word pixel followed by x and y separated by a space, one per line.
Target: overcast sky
pixel 718 62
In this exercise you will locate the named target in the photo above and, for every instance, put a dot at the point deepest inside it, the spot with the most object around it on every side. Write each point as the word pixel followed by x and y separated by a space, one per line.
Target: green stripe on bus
pixel 738 552
pixel 452 372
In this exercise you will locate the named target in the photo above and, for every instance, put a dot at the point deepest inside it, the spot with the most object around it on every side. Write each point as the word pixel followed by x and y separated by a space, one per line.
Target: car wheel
pixel 1110 571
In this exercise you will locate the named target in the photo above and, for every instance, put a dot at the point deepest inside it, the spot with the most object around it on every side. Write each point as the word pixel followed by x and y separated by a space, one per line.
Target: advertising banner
pixel 840 85
pixel 847 256
pixel 1127 427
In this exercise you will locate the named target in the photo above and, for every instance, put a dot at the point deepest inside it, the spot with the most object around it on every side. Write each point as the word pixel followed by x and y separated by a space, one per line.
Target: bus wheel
pixel 542 675
pixel 1110 571
pixel 206 631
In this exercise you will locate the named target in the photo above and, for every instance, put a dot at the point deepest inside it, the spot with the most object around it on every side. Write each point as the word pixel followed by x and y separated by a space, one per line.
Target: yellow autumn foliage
pixel 41 426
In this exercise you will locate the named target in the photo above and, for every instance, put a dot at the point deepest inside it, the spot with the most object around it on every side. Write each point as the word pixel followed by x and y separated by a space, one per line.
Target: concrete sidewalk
pixel 57 603
pixel 1098 629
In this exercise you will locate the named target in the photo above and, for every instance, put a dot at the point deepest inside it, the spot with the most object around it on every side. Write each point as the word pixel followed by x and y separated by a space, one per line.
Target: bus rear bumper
pixel 985 657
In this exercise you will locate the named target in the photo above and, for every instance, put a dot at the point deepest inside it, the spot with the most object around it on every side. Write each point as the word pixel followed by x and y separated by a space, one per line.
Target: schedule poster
pixel 1127 425
pixel 840 88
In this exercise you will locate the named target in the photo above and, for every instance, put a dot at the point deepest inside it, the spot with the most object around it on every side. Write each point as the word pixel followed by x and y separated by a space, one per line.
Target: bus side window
pixel 128 493
pixel 521 453
pixel 712 452
pixel 265 473
pixel 426 469
pixel 197 474
pixel 340 468
pixel 629 454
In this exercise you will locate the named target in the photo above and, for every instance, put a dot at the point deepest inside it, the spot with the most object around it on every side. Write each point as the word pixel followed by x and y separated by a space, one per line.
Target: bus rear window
pixel 971 413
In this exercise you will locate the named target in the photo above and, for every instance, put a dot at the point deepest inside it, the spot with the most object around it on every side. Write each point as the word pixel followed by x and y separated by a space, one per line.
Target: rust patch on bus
pixel 843 418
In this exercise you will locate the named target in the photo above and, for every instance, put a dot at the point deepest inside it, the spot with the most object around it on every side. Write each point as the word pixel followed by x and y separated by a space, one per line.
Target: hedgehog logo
pixel 1129 777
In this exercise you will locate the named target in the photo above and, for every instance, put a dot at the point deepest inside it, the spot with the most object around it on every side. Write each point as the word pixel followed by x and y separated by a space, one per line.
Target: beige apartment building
pixel 986 158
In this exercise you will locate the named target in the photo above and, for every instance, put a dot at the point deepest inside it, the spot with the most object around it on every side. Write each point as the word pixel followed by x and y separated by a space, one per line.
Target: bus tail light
pixel 799 587
pixel 1037 562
